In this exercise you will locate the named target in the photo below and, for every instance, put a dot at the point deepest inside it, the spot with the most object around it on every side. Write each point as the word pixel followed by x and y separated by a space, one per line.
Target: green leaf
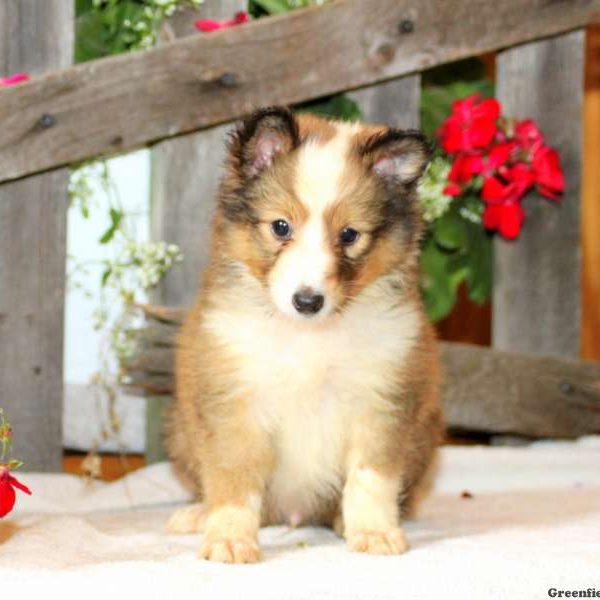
pixel 442 273
pixel 450 231
pixel 116 216
pixel 105 276
pixel 107 235
pixel 480 263
pixel 337 107
pixel 274 7
pixel 14 464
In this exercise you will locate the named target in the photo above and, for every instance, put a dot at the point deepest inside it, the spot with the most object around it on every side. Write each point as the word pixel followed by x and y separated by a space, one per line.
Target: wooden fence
pixel 165 96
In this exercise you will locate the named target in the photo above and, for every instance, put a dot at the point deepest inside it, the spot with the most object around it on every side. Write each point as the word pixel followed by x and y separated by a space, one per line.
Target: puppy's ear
pixel 262 137
pixel 397 156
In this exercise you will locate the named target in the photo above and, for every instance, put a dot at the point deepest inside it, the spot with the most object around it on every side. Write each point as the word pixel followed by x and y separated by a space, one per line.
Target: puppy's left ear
pixel 397 156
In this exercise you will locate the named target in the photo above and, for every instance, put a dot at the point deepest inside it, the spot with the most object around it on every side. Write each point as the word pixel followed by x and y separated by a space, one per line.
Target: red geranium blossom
pixel 8 483
pixel 549 176
pixel 471 126
pixel 453 189
pixel 501 159
pixel 506 217
pixel 207 25
pixel 527 135
pixel 13 79
pixel 511 183
pixel 467 166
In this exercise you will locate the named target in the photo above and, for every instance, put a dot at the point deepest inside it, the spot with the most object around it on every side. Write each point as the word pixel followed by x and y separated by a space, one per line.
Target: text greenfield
pixel 589 593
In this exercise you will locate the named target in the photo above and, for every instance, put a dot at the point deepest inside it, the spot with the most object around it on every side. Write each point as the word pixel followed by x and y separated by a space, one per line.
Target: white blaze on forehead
pixel 320 168
pixel 309 260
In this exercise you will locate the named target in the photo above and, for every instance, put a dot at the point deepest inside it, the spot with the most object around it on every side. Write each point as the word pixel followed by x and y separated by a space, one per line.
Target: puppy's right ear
pixel 262 137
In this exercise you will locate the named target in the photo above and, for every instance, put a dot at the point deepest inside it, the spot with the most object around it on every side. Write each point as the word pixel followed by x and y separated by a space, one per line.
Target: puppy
pixel 307 372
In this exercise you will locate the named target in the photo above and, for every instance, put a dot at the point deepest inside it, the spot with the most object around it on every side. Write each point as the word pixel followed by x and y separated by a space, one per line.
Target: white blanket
pixel 532 523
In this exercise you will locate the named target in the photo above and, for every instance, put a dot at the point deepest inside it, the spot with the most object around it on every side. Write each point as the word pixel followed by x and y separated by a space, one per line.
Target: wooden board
pixel 112 466
pixel 536 396
pixel 395 103
pixel 115 104
pixel 485 390
pixel 34 36
pixel 590 347
pixel 537 279
pixel 185 175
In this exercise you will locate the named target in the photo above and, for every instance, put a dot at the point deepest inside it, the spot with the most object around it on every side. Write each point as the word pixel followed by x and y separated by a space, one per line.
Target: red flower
pixel 471 126
pixel 8 483
pixel 453 189
pixel 549 176
pixel 13 79
pixel 510 184
pixel 207 25
pixel 466 166
pixel 528 135
pixel 507 218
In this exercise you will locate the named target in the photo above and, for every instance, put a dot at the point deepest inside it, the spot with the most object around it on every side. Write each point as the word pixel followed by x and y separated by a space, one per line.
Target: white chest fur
pixel 306 382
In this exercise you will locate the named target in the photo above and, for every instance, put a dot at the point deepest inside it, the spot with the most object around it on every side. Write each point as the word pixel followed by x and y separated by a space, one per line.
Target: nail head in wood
pixel 228 80
pixel 566 388
pixel 406 26
pixel 47 121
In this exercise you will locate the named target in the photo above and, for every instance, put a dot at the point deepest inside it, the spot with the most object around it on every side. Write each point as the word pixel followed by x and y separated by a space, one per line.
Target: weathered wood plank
pixel 394 102
pixel 115 104
pixel 155 408
pixel 484 390
pixel 590 240
pixel 537 293
pixel 185 176
pixel 34 37
pixel 491 391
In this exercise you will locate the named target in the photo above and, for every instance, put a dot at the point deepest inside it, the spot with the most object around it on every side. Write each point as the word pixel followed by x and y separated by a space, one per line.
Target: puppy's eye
pixel 348 236
pixel 281 229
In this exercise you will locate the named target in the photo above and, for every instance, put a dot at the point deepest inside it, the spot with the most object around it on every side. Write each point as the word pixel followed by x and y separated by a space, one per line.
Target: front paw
pixel 187 519
pixel 231 550
pixel 391 541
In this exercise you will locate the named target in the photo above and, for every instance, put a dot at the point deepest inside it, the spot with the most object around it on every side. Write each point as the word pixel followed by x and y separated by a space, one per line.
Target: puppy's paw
pixel 188 519
pixel 231 550
pixel 391 541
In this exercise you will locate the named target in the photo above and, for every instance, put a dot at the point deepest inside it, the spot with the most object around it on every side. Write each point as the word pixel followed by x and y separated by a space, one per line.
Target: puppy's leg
pixel 371 519
pixel 187 519
pixel 235 470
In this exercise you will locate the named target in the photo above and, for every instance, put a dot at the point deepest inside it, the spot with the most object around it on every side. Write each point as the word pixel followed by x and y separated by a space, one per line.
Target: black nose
pixel 307 302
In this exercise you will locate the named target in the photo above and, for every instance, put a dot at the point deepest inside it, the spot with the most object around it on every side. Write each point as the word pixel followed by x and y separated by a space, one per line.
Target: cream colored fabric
pixel 532 523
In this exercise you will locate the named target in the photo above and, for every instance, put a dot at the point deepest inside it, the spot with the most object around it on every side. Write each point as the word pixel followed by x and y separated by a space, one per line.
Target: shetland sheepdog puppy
pixel 307 372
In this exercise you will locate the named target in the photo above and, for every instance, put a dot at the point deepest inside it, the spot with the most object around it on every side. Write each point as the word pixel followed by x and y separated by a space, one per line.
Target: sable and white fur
pixel 330 417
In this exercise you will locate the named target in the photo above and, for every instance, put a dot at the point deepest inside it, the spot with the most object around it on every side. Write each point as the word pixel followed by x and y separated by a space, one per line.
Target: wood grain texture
pixel 185 176
pixel 115 104
pixel 112 466
pixel 485 390
pixel 394 103
pixel 34 37
pixel 590 343
pixel 537 285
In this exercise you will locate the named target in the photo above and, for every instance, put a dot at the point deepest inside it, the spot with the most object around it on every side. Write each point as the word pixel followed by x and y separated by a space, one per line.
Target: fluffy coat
pixel 326 415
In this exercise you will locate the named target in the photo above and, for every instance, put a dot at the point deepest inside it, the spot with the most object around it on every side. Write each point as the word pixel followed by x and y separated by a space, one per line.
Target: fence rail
pixel 117 104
